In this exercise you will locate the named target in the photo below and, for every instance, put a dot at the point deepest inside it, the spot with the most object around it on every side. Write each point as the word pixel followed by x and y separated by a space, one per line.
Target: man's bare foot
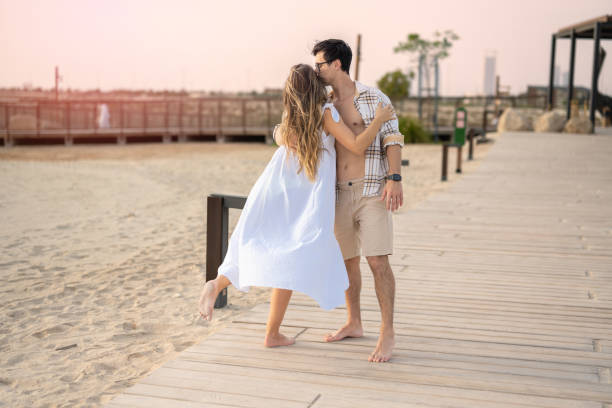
pixel 348 330
pixel 384 347
pixel 207 300
pixel 277 340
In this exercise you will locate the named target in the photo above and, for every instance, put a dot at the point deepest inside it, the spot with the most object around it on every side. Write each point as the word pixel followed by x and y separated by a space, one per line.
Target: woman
pixel 284 238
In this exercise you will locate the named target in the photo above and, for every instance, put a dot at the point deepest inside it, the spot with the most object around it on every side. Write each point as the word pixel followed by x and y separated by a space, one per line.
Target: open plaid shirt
pixel 376 165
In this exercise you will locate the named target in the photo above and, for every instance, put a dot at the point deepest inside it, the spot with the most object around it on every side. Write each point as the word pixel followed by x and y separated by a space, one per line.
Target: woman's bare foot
pixel 207 300
pixel 384 347
pixel 276 340
pixel 348 330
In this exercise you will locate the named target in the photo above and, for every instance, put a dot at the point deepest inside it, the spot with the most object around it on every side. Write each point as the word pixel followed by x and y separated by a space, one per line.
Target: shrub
pixel 396 84
pixel 413 131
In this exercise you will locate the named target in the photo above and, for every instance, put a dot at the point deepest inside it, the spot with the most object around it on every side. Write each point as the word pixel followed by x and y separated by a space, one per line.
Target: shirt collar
pixel 359 90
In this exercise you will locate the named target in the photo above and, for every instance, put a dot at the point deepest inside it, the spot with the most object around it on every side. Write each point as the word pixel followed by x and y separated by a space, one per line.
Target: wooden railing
pixel 164 119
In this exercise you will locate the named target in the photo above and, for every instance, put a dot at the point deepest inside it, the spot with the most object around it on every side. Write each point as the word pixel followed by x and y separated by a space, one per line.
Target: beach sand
pixel 102 259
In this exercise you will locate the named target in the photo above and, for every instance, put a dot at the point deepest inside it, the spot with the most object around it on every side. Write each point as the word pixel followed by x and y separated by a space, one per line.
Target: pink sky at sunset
pixel 246 45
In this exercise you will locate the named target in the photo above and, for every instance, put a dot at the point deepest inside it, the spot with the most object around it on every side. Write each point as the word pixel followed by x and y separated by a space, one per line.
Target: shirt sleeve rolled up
pixel 389 132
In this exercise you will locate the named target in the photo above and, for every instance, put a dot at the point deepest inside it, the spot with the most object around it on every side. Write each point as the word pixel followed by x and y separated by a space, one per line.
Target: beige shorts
pixel 363 225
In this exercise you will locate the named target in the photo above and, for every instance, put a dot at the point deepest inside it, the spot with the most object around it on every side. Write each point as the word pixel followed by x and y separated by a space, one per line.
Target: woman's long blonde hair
pixel 302 121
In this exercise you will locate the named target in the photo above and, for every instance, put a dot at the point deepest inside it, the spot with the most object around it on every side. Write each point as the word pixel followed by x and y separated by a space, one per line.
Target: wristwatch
pixel 395 177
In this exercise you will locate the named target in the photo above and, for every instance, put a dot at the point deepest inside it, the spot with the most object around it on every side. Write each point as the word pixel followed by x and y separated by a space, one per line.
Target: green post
pixel 460 124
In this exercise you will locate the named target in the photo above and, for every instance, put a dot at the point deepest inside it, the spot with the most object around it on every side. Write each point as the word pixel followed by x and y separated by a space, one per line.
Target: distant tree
pixel 395 84
pixel 438 47
pixel 428 51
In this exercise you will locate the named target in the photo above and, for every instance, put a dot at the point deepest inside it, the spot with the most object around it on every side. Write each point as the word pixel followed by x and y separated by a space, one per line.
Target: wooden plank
pixel 364 346
pixel 358 352
pixel 310 381
pixel 295 319
pixel 232 396
pixel 417 375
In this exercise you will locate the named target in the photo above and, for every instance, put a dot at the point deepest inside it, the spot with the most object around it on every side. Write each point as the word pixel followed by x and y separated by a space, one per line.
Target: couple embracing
pixel 324 200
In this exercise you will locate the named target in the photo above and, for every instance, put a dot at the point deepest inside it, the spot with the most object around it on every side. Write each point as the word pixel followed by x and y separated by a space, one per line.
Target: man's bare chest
pixel 351 116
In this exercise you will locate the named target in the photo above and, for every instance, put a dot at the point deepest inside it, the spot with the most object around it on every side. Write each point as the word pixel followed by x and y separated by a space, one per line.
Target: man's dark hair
pixel 333 50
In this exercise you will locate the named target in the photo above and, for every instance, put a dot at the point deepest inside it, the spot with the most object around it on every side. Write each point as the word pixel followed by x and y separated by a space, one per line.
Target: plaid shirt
pixel 376 165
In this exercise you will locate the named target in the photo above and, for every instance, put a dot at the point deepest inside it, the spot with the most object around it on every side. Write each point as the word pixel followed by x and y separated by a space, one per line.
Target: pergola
pixel 597 29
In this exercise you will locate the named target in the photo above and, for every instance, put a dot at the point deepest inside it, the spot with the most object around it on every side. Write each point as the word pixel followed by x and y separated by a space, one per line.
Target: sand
pixel 102 259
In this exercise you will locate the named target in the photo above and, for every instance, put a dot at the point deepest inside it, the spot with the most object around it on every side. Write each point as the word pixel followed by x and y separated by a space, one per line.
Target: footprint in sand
pixel 6 381
pixel 104 368
pixel 16 314
pixel 128 326
pixel 180 346
pixel 15 360
pixel 139 354
pixel 51 330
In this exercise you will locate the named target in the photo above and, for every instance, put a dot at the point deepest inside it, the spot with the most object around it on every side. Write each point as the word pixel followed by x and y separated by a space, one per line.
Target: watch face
pixel 395 177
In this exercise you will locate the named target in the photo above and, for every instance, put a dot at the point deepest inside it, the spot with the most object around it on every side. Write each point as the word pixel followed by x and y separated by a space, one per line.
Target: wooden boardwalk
pixel 504 299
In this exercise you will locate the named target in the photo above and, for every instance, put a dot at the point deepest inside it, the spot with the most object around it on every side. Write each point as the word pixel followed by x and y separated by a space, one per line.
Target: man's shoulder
pixel 371 91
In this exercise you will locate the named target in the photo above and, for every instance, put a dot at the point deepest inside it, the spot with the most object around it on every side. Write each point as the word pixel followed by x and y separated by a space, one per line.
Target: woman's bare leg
pixel 209 295
pixel 278 305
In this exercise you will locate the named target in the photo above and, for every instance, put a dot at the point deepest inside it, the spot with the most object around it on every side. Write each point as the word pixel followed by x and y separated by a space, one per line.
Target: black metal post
pixel 485 121
pixel 551 79
pixel 570 82
pixel 594 90
pixel 444 161
pixel 459 157
pixel 471 141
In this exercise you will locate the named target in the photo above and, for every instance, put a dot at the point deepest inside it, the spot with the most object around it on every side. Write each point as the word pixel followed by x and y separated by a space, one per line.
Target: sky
pixel 228 45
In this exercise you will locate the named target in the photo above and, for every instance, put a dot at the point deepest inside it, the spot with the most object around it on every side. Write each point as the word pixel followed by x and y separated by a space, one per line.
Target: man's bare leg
pixel 209 295
pixel 278 305
pixel 384 282
pixel 353 327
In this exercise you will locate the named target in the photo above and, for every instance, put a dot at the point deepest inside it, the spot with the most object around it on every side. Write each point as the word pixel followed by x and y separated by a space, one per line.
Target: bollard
pixel 471 146
pixel 444 161
pixel 459 149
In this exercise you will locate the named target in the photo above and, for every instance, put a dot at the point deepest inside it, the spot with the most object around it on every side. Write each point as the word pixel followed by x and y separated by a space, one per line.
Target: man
pixel 368 188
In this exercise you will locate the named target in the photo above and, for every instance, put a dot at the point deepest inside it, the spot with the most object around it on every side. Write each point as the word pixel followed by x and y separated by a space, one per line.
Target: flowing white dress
pixel 285 235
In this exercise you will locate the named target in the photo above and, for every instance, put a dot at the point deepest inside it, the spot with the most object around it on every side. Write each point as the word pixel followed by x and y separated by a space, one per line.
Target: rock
pixel 552 121
pixel 513 120
pixel 578 124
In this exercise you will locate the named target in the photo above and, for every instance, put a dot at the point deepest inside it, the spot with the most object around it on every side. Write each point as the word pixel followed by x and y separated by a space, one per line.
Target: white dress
pixel 285 235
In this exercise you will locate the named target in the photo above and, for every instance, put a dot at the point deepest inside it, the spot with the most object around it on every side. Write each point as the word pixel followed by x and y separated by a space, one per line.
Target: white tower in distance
pixel 489 73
